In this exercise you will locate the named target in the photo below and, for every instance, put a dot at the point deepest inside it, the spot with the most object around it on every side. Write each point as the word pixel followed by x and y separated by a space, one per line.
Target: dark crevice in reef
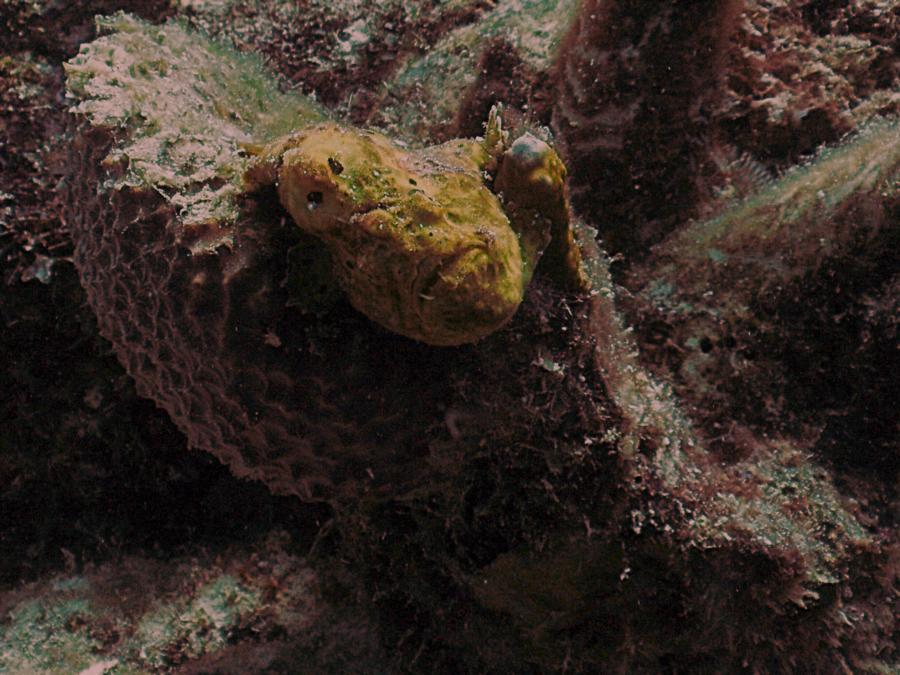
pixel 637 85
pixel 839 350
pixel 99 471
pixel 55 29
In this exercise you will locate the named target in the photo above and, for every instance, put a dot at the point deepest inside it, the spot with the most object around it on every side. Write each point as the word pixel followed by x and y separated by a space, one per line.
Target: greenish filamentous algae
pixel 186 104
pixel 68 624
pixel 788 229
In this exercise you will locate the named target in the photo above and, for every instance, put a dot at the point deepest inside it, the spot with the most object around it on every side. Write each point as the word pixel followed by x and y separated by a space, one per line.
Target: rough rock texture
pixel 589 517
pixel 340 52
pixel 652 551
pixel 659 106
pixel 239 610
pixel 805 73
pixel 781 345
pixel 443 92
pixel 57 28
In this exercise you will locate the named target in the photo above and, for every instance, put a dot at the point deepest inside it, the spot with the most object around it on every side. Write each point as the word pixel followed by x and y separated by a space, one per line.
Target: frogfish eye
pixel 336 167
pixel 313 199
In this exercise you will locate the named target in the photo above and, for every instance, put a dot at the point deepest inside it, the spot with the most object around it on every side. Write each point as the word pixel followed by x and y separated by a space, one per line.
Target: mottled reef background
pixel 750 526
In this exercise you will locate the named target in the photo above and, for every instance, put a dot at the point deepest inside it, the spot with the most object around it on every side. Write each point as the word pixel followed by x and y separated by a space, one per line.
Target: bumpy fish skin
pixel 421 245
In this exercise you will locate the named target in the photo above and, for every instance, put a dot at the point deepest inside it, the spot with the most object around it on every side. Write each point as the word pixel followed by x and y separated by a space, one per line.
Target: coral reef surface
pixel 712 490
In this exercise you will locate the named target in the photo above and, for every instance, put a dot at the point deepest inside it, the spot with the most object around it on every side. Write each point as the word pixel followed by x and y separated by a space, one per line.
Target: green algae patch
pixel 202 625
pixel 49 635
pixel 182 105
pixel 224 606
pixel 140 615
